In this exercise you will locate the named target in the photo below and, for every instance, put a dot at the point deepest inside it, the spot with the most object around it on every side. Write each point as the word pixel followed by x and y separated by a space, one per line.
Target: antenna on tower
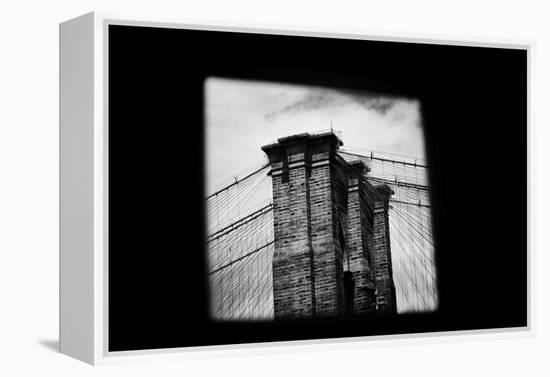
pixel 331 130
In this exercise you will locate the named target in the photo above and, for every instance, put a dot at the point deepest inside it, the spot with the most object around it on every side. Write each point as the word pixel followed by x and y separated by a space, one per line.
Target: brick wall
pixel 292 268
pixel 327 254
pixel 359 232
pixel 380 254
pixel 326 232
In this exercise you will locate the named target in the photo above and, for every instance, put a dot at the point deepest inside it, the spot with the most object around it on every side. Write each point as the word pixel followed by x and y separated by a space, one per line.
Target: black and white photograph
pixel 274 188
pixel 267 188
pixel 319 203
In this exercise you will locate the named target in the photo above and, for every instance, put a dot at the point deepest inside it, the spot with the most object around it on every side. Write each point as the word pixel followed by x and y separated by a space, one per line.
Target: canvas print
pixel 273 188
pixel 318 203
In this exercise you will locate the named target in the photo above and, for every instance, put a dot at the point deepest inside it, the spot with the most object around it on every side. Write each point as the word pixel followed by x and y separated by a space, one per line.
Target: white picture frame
pixel 84 196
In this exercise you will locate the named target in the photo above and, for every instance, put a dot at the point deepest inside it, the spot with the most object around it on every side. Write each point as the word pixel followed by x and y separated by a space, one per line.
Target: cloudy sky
pixel 242 116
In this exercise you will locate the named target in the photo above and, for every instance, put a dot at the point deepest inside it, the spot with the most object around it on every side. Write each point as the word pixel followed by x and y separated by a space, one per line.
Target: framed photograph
pixel 228 186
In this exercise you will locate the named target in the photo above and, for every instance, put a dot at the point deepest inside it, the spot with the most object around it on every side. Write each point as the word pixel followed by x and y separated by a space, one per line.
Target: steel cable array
pixel 240 240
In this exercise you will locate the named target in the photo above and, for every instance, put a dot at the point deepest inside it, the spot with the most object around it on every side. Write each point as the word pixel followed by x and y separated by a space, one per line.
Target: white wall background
pixel 29 186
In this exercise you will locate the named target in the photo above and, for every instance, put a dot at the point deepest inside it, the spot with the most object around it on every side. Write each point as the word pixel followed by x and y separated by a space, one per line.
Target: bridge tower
pixel 332 247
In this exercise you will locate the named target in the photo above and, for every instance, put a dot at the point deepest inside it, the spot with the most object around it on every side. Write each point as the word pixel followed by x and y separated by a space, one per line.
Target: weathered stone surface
pixel 332 247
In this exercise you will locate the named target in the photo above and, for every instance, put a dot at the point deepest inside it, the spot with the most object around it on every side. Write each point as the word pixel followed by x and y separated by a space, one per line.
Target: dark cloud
pixel 313 100
pixel 317 99
pixel 379 104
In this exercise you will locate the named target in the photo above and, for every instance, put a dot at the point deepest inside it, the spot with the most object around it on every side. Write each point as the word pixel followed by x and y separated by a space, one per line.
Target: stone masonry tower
pixel 332 247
